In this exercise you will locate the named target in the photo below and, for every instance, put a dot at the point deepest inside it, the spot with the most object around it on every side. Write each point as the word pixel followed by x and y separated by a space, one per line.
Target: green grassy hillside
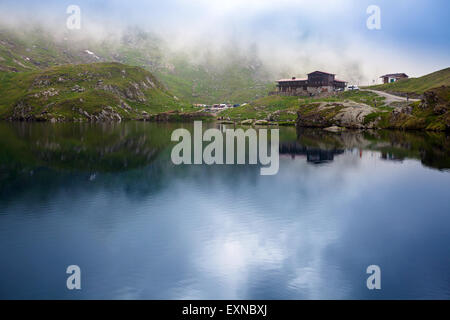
pixel 350 109
pixel 35 49
pixel 417 85
pixel 196 77
pixel 99 91
pixel 232 83
pixel 284 108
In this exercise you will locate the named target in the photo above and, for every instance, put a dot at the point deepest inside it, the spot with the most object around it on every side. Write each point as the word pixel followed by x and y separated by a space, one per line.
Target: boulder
pixel 247 122
pixel 335 129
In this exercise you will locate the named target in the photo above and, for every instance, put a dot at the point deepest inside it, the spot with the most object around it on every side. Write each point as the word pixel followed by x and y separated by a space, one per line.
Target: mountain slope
pixel 197 77
pixel 417 86
pixel 97 92
pixel 35 49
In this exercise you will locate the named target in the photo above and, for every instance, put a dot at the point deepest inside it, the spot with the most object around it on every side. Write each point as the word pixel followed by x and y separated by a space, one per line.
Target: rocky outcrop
pixel 91 92
pixel 247 122
pixel 133 92
pixel 353 116
pixel 276 115
pixel 261 123
pixel 77 88
pixel 108 114
pixel 22 112
pixel 432 113
pixel 437 99
pixel 346 114
pixel 51 92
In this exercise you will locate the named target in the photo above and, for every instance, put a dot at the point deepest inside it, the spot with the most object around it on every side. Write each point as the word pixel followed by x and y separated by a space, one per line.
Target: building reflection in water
pixel 391 157
pixel 313 155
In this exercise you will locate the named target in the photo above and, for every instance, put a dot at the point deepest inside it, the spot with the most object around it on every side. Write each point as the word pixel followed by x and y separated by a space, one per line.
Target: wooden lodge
pixel 317 82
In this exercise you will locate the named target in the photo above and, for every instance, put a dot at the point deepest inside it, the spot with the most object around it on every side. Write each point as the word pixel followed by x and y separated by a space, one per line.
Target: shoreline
pixel 332 128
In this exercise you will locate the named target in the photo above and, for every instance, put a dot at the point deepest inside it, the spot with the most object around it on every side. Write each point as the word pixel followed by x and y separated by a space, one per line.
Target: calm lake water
pixel 108 199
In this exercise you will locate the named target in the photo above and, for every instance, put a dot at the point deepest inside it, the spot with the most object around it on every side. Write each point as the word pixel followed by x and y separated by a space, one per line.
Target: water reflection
pixel 319 146
pixel 313 154
pixel 108 199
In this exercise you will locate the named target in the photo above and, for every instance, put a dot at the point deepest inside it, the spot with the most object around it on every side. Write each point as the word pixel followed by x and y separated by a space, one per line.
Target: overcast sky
pixel 414 36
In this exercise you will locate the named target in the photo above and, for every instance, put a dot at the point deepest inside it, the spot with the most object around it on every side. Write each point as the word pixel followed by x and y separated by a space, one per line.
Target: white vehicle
pixel 353 87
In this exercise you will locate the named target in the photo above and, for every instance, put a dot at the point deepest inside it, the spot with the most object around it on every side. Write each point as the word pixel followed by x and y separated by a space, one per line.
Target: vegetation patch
pixel 417 86
pixel 100 91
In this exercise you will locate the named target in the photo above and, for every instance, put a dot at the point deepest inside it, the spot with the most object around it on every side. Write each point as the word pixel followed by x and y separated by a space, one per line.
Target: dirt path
pixel 390 97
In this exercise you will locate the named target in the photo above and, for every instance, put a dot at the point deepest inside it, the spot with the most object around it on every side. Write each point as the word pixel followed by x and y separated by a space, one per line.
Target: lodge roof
pixel 292 79
pixel 393 75
pixel 300 80
pixel 321 72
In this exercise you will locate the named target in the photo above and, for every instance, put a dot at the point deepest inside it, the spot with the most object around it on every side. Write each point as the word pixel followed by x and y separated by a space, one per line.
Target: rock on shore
pixel 431 113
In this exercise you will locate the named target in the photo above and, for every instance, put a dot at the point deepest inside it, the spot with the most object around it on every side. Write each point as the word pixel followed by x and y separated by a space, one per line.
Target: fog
pixel 286 38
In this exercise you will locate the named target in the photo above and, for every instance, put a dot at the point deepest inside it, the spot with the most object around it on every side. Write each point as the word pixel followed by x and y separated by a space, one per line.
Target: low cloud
pixel 287 37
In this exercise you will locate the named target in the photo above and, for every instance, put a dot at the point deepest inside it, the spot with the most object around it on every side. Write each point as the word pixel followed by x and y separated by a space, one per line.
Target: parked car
pixel 353 87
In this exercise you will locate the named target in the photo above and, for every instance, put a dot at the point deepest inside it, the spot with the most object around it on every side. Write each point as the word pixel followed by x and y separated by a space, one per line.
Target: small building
pixel 316 83
pixel 394 77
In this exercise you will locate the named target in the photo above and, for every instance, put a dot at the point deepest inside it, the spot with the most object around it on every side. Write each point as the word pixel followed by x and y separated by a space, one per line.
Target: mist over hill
pixel 233 51
pixel 202 75
pixel 197 69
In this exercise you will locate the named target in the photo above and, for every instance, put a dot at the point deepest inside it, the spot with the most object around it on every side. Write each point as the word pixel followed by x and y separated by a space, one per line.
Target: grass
pixel 283 109
pixel 131 85
pixel 209 84
pixel 200 77
pixel 417 85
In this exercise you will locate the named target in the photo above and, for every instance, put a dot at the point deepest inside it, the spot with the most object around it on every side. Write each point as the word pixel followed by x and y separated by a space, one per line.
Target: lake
pixel 107 197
